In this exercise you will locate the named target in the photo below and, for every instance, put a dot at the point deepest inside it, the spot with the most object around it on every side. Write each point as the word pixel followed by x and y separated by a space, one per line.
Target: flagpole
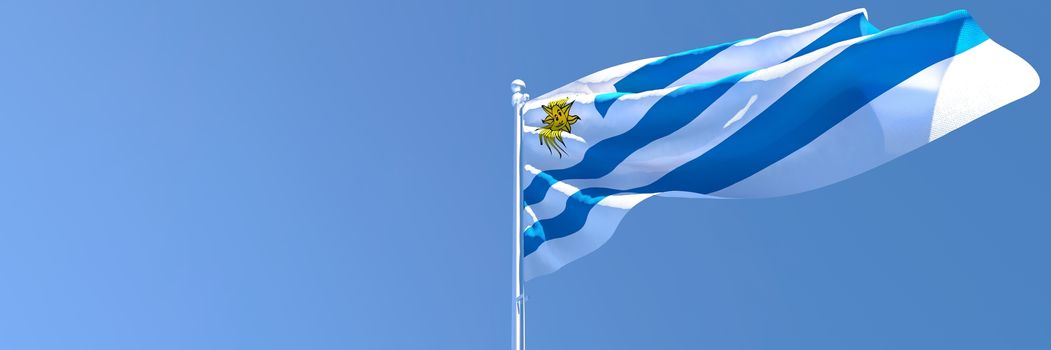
pixel 518 99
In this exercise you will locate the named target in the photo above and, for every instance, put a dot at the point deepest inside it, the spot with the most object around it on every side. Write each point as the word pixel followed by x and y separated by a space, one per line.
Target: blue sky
pixel 337 175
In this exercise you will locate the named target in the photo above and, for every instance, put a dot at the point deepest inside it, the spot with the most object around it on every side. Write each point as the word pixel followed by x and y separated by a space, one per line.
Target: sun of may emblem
pixel 558 120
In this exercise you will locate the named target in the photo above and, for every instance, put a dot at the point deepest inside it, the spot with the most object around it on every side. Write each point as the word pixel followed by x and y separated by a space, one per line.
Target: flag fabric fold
pixel 717 61
pixel 816 116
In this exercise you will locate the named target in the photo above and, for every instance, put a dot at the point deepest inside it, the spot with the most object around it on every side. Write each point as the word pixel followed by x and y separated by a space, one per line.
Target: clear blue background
pixel 337 175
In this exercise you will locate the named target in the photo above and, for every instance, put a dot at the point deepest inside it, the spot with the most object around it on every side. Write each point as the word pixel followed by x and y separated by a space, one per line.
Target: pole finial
pixel 517 85
pixel 519 98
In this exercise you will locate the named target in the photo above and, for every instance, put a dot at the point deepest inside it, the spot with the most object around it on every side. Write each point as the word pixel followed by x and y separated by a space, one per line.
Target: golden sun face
pixel 558 120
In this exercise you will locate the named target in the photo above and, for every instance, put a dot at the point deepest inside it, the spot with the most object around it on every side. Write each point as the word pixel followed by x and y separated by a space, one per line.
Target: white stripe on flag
pixel 765 51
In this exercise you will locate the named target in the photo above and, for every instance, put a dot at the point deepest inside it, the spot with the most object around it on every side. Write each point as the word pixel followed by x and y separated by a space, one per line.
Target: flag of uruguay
pixel 594 149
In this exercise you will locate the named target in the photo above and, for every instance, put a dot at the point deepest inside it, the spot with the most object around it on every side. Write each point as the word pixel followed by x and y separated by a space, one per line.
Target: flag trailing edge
pixel 811 121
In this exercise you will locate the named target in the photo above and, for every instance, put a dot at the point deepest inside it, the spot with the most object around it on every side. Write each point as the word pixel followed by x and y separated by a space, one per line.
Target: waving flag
pixel 806 114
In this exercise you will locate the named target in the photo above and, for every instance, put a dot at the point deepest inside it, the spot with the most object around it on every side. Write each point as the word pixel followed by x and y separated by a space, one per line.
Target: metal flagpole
pixel 518 100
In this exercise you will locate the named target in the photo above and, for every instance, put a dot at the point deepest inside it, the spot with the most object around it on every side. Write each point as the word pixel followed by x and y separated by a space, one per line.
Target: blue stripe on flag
pixel 666 70
pixel 575 215
pixel 857 75
pixel 604 101
pixel 846 30
pixel 672 112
